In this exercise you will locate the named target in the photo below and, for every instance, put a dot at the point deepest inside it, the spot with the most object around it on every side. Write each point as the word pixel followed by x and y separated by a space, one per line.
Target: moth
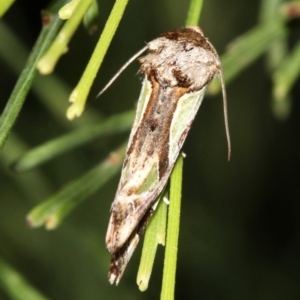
pixel 177 69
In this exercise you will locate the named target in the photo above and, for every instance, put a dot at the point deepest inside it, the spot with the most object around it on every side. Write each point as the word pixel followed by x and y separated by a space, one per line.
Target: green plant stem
pixel 67 10
pixel 168 284
pixel 269 9
pixel 60 45
pixel 284 78
pixel 51 149
pixel 79 94
pixel 277 51
pixel 155 234
pixel 25 80
pixel 42 84
pixel 194 12
pixel 4 6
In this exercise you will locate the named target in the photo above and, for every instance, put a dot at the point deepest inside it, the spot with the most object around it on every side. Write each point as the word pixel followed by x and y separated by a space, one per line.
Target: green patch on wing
pixel 184 114
pixel 143 100
pixel 150 181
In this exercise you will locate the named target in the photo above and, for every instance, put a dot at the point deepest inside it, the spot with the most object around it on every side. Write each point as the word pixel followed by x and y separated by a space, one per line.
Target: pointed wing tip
pixel 114 276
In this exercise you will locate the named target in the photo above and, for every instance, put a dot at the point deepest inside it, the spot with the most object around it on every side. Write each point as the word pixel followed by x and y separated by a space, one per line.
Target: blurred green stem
pixel 79 94
pixel 53 148
pixel 248 47
pixel 284 78
pixel 4 6
pixel 25 80
pixel 91 17
pixel 60 45
pixel 277 51
pixel 194 12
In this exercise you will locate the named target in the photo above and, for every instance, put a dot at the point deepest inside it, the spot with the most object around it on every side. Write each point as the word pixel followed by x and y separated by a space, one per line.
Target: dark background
pixel 240 228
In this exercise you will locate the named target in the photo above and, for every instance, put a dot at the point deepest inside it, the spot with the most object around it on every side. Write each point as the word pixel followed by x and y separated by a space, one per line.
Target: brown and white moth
pixel 177 69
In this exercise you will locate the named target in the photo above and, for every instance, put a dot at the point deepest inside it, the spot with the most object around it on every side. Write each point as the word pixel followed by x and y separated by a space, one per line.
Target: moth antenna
pixel 121 70
pixel 225 114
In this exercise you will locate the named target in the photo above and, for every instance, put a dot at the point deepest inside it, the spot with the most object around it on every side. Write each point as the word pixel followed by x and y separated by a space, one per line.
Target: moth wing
pixel 132 203
pixel 141 106
pixel 183 117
